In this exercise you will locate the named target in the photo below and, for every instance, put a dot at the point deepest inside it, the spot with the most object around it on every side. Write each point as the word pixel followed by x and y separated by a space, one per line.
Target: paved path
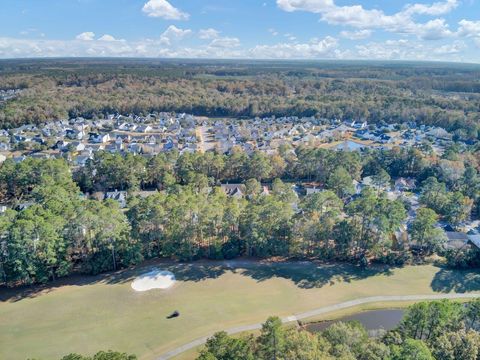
pixel 319 311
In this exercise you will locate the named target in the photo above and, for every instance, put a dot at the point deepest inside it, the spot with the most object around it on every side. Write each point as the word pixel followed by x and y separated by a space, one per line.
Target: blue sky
pixel 444 30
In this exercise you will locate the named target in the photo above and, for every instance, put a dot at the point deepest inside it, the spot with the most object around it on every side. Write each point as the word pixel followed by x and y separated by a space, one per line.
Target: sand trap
pixel 156 279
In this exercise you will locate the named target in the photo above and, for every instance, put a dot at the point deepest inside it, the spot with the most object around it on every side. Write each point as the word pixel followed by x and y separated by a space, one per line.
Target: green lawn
pixel 87 315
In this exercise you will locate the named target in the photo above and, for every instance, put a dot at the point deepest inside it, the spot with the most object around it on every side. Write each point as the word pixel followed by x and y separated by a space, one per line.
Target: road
pixel 316 312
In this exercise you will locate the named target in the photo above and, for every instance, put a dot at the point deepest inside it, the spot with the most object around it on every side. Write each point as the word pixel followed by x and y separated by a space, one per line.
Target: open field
pixel 89 314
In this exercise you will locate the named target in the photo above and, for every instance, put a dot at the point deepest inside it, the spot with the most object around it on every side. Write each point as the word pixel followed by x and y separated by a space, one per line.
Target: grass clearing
pixel 103 313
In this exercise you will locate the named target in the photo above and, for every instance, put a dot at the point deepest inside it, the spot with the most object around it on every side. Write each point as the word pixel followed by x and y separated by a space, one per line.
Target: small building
pixel 456 240
pixel 234 190
pixel 118 196
pixel 405 184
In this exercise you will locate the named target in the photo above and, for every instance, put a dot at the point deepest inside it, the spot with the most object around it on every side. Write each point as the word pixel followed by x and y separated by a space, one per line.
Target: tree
pixel 253 188
pixel 271 342
pixel 381 179
pixel 101 355
pixel 411 350
pixel 222 347
pixel 461 344
pixel 301 345
pixel 434 195
pixel 37 251
pixel 350 336
pixel 458 208
pixel 427 320
pixel 259 167
pixel 424 232
pixel 341 183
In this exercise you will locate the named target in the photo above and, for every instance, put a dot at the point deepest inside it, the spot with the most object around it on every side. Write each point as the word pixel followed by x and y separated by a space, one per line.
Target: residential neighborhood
pixel 79 139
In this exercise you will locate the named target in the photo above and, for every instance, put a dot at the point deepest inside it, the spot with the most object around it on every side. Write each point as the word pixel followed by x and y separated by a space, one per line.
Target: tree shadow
pixel 304 274
pixel 460 281
pixel 32 291
pixel 309 275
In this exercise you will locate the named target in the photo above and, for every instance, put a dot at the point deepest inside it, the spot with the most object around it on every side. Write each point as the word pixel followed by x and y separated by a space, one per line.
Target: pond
pixel 371 320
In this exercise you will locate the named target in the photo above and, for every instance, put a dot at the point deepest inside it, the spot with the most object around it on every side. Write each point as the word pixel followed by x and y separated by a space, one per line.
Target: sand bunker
pixel 156 279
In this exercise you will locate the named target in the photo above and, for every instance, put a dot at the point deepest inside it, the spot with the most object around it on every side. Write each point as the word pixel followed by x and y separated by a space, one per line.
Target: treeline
pixel 348 91
pixel 101 355
pixel 442 330
pixel 53 230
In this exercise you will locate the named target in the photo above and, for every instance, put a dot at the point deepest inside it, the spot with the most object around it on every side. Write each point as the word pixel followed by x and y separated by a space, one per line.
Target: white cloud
pixel 225 42
pixel 86 36
pixel 290 37
pixel 435 9
pixel 433 30
pixel 173 34
pixel 469 28
pixel 357 16
pixel 208 34
pixel 273 32
pixel 163 9
pixel 356 35
pixel 405 49
pixel 317 49
pixel 448 49
pixel 107 37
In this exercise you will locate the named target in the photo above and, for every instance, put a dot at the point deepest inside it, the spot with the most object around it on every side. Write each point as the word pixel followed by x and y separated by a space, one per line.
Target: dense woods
pixel 53 229
pixel 441 330
pixel 440 94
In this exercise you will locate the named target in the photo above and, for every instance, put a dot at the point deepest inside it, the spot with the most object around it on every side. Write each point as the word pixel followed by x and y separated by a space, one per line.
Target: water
pixel 371 320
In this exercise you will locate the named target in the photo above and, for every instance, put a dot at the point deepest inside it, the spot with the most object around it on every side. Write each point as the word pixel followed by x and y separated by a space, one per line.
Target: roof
pixel 454 235
pixel 233 189
pixel 475 240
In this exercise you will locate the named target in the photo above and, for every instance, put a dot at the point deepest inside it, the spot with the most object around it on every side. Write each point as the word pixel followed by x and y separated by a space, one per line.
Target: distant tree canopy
pixel 444 95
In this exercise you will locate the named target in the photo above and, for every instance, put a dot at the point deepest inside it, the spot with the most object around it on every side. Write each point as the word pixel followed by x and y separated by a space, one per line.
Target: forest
pixel 62 230
pixel 445 95
pixel 442 330
pixel 438 330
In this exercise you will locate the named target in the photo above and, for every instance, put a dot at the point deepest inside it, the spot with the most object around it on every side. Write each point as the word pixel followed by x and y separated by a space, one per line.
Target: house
pixel 312 189
pixel 135 148
pixel 3 208
pixel 99 138
pixel 82 160
pixel 123 138
pixel 2 158
pixel 474 240
pixel 24 206
pixel 118 196
pixel 456 240
pixel 114 148
pixel 77 146
pixel 19 159
pixel 405 184
pixel 144 129
pixel 234 190
pixel 73 134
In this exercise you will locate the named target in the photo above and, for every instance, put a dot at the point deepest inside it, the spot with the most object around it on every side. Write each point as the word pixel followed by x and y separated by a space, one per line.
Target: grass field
pixel 85 315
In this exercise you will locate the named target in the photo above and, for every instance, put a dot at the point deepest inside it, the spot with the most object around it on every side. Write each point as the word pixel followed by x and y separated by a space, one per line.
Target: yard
pixel 85 315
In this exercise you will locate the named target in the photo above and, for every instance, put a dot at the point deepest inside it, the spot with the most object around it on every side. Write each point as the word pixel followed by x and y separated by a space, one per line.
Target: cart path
pixel 316 312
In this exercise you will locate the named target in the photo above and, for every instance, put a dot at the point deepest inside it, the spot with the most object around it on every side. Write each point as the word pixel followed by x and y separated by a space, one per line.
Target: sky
pixel 444 30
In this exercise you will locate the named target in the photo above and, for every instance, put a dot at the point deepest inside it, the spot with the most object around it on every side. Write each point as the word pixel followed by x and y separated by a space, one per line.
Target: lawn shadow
pixel 309 275
pixel 460 281
pixel 197 271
